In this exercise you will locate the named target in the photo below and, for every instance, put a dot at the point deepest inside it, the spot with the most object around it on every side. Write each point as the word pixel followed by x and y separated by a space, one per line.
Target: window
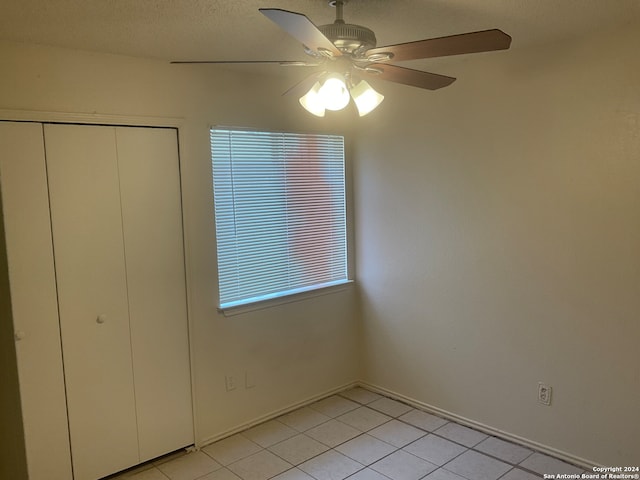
pixel 280 213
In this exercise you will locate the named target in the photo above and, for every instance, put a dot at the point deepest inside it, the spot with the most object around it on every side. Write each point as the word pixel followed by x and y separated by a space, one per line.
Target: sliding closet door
pixel 92 294
pixel 117 229
pixel 152 224
pixel 25 202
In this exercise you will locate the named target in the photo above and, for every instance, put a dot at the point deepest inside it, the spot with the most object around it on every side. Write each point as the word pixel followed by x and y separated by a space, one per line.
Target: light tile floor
pixel 355 435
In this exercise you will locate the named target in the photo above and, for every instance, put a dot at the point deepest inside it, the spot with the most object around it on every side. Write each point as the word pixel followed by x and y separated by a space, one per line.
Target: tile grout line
pixel 392 417
pixel 364 466
pixel 518 465
pixel 472 448
pixel 360 404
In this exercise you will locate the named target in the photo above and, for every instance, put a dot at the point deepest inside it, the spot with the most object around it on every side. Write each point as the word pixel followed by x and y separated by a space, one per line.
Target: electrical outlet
pixel 230 382
pixel 544 394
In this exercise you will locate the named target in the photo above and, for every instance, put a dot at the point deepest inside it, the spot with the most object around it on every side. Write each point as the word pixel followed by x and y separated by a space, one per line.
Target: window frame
pixel 334 287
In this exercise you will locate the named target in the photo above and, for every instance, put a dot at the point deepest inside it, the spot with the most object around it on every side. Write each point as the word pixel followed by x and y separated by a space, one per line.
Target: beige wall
pixel 499 231
pixel 293 351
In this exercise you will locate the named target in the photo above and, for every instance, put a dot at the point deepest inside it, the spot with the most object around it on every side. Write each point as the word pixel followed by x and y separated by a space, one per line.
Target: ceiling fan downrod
pixel 339 5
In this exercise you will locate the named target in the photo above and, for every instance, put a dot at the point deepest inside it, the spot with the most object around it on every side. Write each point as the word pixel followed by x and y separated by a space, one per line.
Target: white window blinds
pixel 280 213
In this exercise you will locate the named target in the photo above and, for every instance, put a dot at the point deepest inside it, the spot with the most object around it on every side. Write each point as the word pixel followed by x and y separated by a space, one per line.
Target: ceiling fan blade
pixel 408 76
pixel 301 28
pixel 302 87
pixel 474 42
pixel 285 63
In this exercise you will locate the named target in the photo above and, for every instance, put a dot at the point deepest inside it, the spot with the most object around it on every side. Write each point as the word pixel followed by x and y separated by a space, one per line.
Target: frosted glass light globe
pixel 365 98
pixel 312 102
pixel 334 92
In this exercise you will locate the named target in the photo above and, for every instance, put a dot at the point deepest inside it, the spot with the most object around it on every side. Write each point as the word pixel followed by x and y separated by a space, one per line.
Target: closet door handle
pixel 101 318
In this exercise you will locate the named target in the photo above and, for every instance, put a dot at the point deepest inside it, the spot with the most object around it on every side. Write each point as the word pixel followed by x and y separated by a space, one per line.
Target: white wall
pixel 293 351
pixel 499 231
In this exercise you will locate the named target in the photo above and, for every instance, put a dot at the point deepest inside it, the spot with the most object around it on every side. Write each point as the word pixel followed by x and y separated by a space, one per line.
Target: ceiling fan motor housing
pixel 349 38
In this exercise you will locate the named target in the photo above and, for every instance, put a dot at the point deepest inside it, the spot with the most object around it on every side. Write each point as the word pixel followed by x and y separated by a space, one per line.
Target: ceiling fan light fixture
pixel 365 98
pixel 333 92
pixel 349 48
pixel 312 102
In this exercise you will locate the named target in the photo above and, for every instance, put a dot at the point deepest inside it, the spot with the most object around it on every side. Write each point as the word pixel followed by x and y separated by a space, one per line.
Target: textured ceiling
pixel 235 30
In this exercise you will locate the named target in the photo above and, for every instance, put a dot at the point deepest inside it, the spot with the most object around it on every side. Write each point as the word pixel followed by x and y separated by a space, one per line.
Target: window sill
pixel 273 302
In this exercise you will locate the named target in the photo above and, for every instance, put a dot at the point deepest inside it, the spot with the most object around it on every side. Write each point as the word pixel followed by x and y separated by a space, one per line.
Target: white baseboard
pixel 559 454
pixel 274 414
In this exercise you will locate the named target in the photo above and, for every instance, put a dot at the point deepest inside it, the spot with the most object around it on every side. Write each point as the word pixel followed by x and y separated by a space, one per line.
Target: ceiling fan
pixel 344 54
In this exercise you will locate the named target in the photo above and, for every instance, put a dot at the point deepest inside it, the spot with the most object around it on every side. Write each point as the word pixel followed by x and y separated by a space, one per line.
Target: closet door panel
pixel 152 224
pixel 25 200
pixel 92 294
